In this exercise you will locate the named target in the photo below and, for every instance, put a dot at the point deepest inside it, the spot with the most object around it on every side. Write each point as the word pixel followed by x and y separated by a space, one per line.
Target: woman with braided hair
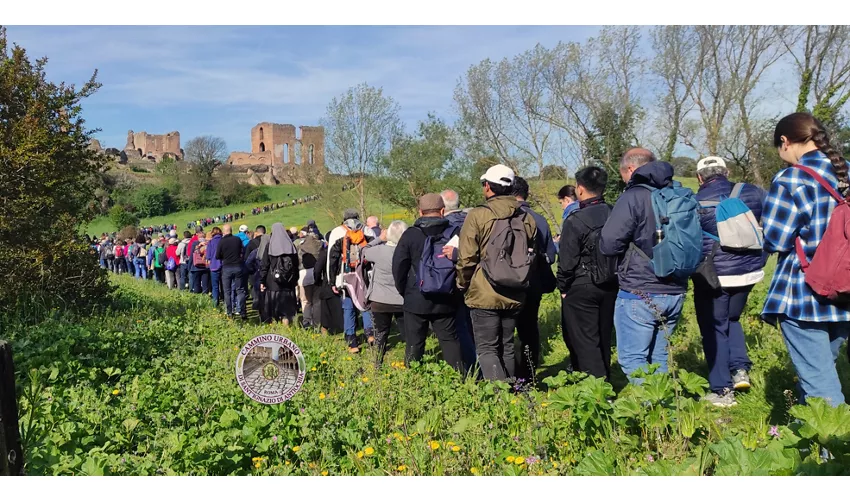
pixel 796 213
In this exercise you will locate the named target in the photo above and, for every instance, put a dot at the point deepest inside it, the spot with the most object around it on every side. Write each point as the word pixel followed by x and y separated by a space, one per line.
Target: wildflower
pixel 532 460
pixel 116 392
pixel 450 443
pixel 774 431
pixel 323 355
pixel 365 379
pixel 324 362
pixel 321 395
pixel 296 449
pixel 348 358
pixel 519 460
pixel 288 462
pixel 555 464
pixel 369 451
pixel 258 464
pixel 311 465
pixel 397 435
pixel 474 470
pixel 510 459
pixel 274 439
pixel 324 473
pixel 455 448
pixel 513 401
pixel 544 405
pixel 435 445
pixel 302 410
pixel 342 385
pixel 650 459
pixel 401 468
pixel 313 369
pixel 359 454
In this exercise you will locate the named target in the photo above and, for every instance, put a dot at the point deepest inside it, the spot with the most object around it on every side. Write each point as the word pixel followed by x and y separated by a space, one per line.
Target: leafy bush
pixel 151 201
pixel 46 170
pixel 139 170
pixel 121 217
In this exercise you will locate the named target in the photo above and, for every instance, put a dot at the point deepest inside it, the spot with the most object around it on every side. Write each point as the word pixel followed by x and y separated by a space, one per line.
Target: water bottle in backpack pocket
pixel 737 227
pixel 678 235
pixel 436 272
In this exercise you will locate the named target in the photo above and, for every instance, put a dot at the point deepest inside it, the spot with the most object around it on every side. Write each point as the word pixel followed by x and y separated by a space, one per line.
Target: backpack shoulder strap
pixel 736 190
pixel 822 182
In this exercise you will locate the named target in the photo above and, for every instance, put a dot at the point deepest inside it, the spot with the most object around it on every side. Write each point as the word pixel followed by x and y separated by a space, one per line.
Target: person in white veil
pixel 279 277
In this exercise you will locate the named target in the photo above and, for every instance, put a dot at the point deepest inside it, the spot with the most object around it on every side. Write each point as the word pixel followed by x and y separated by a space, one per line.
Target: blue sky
pixel 224 80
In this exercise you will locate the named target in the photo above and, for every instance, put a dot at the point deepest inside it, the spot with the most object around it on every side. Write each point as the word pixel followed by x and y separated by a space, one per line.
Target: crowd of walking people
pixel 476 276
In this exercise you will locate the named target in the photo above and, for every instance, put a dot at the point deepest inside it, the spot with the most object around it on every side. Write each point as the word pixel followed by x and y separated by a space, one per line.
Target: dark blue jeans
pixel 718 316
pixel 215 284
pixel 233 283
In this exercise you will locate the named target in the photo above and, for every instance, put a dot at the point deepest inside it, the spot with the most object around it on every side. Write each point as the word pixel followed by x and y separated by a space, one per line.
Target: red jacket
pixel 171 253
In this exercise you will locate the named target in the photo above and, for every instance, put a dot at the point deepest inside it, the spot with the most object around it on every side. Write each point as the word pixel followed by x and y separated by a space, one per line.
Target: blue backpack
pixel 737 227
pixel 436 272
pixel 679 251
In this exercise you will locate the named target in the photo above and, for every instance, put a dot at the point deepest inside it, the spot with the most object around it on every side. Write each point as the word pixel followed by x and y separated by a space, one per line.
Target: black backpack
pixel 284 270
pixel 601 268
pixel 509 260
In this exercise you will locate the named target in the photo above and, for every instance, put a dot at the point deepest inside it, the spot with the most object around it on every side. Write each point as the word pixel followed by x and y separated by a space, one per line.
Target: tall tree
pixel 360 126
pixel 206 153
pixel 822 58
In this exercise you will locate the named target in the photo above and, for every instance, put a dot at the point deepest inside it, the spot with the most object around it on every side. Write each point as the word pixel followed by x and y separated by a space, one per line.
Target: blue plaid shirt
pixel 798 206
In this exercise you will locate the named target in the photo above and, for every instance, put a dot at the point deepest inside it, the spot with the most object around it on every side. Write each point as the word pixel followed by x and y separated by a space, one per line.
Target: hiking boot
pixel 741 380
pixel 722 400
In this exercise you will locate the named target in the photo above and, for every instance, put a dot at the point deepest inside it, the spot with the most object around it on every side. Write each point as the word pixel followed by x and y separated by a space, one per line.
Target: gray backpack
pixel 509 260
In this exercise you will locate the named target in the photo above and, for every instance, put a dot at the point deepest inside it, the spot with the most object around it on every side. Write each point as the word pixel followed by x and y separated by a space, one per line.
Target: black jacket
pixel 229 251
pixel 406 259
pixel 632 222
pixel 320 276
pixel 573 254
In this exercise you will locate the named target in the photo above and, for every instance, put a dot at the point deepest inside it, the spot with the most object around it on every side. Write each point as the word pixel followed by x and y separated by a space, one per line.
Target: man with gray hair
pixel 373 224
pixel 463 322
pixel 647 307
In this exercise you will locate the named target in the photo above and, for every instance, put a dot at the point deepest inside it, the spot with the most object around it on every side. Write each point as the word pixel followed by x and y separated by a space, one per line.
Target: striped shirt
pixel 798 206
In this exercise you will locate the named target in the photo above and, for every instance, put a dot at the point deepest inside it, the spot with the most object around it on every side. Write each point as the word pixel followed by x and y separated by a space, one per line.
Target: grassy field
pixel 147 387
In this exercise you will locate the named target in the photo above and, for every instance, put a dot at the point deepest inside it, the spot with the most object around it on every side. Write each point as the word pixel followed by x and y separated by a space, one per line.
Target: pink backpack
pixel 828 274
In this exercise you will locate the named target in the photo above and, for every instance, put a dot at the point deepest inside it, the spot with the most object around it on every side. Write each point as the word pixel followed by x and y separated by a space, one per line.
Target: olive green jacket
pixel 473 247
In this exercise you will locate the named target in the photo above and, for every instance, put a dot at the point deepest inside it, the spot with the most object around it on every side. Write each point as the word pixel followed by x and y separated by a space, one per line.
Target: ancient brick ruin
pixel 283 152
pixel 153 147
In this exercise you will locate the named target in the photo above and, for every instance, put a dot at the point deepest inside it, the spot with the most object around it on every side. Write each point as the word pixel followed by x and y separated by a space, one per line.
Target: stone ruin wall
pixel 156 146
pixel 284 148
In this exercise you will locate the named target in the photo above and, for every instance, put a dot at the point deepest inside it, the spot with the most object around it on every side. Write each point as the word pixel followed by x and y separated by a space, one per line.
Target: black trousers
pixel 278 305
pixel 331 314
pixel 494 341
pixel 416 331
pixel 382 321
pixel 588 315
pixel 528 331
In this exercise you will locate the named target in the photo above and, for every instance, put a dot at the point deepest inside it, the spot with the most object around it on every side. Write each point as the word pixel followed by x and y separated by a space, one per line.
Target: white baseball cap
pixel 499 174
pixel 710 161
pixel 243 228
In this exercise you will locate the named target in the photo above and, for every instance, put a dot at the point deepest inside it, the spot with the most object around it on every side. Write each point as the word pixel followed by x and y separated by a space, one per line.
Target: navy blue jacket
pixel 544 233
pixel 632 221
pixel 730 263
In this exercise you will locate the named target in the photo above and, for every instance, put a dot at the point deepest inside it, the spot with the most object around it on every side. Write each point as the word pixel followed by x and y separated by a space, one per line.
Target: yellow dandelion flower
pixel 401 468
pixel 323 355
pixel 519 460
pixel 365 379
pixel 474 470
pixel 359 454
pixel 116 392
pixel 257 459
pixel 544 405
pixel 435 445
pixel 311 465
pixel 455 448
pixel 369 451
pixel 313 369
pixel 342 385
pixel 321 395
pixel 348 358
pixel 450 443
pixel 258 464
pixel 510 459
pixel 555 464
pixel 513 401
pixel 296 449
pixel 288 462
pixel 324 473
